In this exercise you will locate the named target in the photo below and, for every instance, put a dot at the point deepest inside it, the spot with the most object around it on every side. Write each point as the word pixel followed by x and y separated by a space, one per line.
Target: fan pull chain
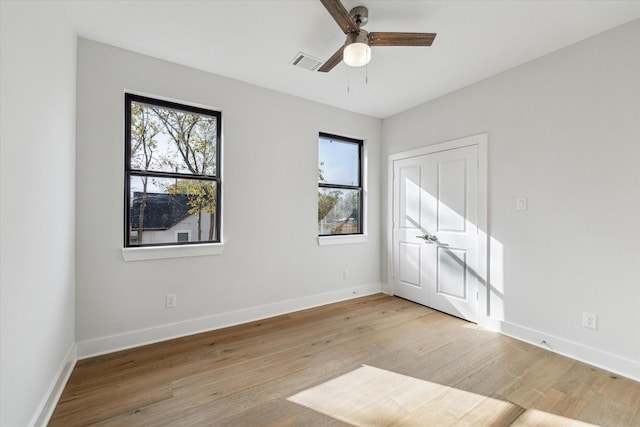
pixel 366 68
pixel 348 81
pixel 366 74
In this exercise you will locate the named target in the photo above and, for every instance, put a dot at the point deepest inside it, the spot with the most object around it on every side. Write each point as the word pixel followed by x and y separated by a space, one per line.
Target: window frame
pixel 347 237
pixel 129 172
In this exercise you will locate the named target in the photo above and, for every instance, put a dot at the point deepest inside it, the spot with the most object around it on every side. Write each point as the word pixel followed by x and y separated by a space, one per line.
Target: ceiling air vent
pixel 306 61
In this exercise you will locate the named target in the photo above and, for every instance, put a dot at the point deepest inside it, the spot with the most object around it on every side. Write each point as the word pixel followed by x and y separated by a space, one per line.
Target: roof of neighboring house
pixel 162 211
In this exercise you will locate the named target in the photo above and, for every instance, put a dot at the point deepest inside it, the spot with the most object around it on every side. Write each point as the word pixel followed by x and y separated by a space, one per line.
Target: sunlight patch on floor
pixel 371 396
pixel 535 417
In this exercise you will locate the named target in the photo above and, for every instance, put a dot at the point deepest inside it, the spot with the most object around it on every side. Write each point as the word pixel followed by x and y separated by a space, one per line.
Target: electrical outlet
pixel 521 204
pixel 345 274
pixel 590 321
pixel 171 301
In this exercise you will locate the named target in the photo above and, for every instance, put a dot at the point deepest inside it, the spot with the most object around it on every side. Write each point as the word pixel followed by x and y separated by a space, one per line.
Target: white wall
pixel 37 213
pixel 270 150
pixel 564 132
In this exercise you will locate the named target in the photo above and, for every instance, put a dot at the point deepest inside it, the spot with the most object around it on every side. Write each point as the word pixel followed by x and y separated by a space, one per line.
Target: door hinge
pixel 477 296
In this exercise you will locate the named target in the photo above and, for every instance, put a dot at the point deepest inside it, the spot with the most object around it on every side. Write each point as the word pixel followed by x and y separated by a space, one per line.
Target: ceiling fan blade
pixel 340 15
pixel 401 39
pixel 335 59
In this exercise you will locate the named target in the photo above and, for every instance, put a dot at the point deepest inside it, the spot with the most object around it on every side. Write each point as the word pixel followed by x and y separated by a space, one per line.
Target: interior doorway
pixel 438 226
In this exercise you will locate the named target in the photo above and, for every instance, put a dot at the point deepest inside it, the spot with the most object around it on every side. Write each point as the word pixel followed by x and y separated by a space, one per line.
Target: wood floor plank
pixel 281 413
pixel 493 411
pixel 606 410
pixel 537 378
pixel 426 368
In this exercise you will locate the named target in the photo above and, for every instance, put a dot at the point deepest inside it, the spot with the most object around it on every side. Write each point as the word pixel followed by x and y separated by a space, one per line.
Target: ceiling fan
pixel 357 49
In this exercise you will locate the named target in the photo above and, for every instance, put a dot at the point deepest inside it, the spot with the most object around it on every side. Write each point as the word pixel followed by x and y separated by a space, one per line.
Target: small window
pixel 182 236
pixel 172 173
pixel 339 185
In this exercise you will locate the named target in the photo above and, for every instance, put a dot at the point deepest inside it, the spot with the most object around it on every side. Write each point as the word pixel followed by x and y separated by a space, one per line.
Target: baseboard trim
pixel 601 359
pixel 137 338
pixel 52 396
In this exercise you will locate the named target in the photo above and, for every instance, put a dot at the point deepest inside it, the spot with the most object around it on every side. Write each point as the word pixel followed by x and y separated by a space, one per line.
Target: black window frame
pixel 359 188
pixel 129 172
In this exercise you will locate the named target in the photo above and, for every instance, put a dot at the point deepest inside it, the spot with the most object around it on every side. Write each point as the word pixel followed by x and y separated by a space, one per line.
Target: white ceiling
pixel 255 41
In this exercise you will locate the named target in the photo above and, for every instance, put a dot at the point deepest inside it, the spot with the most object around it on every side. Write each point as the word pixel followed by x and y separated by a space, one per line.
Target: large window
pixel 172 173
pixel 339 185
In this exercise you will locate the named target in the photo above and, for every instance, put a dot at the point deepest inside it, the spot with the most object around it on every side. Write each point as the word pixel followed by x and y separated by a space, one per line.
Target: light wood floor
pixel 370 361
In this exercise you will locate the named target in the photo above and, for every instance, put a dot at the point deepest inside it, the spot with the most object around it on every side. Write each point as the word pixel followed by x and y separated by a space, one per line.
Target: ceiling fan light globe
pixel 357 54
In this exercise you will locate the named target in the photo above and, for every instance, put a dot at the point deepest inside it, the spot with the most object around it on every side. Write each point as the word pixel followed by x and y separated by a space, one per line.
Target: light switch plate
pixel 171 301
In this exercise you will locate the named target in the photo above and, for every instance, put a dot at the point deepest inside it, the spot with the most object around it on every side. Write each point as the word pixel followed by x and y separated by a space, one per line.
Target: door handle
pixel 428 237
pixel 431 239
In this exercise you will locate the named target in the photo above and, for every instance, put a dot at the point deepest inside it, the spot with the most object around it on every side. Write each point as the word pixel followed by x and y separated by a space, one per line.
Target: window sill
pixel 342 240
pixel 164 252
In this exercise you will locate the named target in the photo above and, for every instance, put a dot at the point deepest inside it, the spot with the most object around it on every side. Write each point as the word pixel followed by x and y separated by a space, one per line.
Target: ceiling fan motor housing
pixel 361 37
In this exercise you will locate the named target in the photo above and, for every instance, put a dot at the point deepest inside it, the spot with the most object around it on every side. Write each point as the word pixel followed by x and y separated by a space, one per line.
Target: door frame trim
pixel 482 142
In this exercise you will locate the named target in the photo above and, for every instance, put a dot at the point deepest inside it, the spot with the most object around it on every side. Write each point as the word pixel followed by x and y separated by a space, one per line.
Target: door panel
pixel 409 263
pixel 409 196
pixel 452 195
pixel 436 195
pixel 452 277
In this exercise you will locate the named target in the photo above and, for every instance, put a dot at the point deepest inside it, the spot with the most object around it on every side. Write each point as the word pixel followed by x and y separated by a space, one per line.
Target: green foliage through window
pixel 171 173
pixel 339 185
